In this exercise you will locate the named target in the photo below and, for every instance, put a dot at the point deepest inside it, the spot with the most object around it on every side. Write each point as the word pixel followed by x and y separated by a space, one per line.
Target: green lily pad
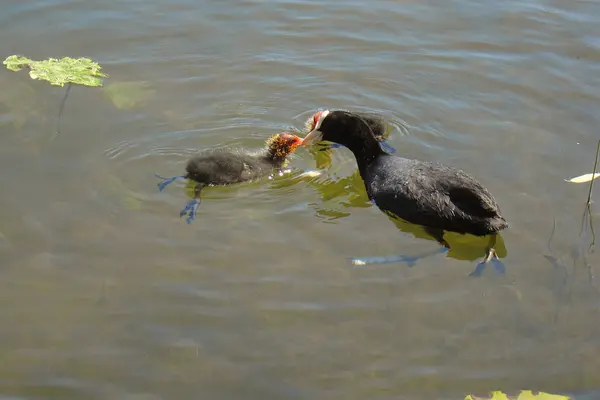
pixel 126 95
pixel 81 71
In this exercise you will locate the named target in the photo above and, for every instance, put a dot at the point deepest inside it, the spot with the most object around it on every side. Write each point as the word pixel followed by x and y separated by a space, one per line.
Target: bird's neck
pixel 365 150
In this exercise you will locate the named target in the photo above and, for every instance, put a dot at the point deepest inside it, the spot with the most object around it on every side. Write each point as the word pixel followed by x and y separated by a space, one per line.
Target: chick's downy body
pixel 226 166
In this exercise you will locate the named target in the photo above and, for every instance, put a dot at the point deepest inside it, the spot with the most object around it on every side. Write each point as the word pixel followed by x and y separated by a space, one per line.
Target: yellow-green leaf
pixel 81 71
pixel 524 395
pixel 528 395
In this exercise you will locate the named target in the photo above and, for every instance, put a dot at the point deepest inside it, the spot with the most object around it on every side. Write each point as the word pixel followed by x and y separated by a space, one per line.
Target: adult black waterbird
pixel 438 197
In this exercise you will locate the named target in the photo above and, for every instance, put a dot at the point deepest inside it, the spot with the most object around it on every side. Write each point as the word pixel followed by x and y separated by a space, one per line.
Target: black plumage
pixel 436 196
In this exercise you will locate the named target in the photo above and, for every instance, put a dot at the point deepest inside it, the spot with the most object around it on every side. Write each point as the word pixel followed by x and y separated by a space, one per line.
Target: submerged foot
pixel 399 258
pixel 166 181
pixel 491 257
pixel 191 209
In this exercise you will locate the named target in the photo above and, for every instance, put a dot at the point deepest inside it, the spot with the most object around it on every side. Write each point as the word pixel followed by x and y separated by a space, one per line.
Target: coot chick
pixel 376 124
pixel 224 166
pixel 435 196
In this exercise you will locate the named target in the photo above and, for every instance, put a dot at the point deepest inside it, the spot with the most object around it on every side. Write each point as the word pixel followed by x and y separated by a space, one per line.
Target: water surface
pixel 105 293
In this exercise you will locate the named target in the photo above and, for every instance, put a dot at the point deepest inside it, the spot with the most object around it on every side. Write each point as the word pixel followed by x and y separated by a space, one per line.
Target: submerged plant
pixel 126 95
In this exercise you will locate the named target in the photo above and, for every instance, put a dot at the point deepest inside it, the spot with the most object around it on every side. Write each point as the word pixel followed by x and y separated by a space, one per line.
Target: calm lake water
pixel 105 293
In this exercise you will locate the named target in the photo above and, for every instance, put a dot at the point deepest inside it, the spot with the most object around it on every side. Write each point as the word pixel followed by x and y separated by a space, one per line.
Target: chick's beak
pixel 313 136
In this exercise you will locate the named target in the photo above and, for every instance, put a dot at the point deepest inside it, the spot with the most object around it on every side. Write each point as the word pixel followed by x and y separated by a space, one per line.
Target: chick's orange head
pixel 283 143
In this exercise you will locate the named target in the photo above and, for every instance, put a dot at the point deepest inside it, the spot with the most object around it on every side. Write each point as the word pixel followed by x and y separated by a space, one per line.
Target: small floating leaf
pixel 524 395
pixel 583 178
pixel 126 95
pixel 81 71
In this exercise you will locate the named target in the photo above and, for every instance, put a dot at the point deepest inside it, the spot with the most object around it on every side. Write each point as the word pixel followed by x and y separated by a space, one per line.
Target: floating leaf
pixel 81 71
pixel 524 395
pixel 125 95
pixel 583 178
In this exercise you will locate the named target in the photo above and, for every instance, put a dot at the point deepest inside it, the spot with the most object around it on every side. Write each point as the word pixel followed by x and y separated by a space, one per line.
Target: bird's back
pixel 223 166
pixel 432 194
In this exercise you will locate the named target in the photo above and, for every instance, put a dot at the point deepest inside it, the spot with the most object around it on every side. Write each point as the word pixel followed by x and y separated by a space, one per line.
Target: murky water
pixel 105 293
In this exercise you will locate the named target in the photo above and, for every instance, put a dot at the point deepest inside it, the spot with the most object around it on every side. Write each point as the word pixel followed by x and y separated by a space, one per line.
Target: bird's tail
pixel 497 224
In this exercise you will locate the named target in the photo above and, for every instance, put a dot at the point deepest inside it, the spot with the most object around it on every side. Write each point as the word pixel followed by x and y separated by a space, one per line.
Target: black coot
pixel 430 194
pixel 224 166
